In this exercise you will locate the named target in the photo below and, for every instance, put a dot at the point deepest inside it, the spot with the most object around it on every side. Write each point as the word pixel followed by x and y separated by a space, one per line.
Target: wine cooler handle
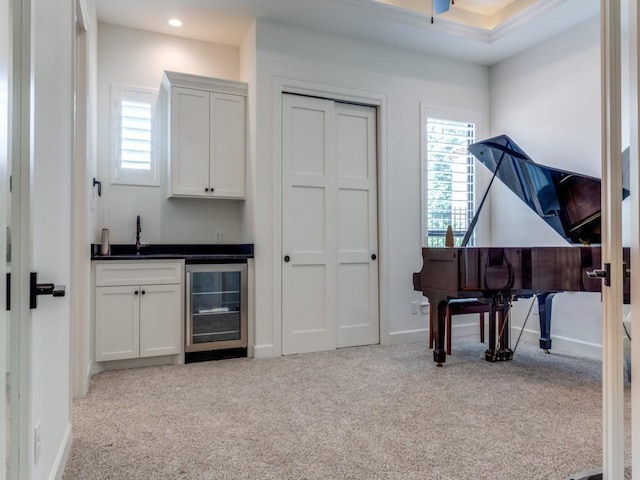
pixel 188 315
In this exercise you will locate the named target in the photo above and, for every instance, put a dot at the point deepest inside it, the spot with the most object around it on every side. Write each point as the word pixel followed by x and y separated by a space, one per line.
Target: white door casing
pixel 5 333
pixel 20 316
pixel 612 347
pixel 634 96
pixel 329 225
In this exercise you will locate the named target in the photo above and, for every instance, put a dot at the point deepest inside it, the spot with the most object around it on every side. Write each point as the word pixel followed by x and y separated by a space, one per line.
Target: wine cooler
pixel 216 304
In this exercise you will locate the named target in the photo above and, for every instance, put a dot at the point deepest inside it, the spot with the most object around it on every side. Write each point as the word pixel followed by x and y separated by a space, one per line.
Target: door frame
pixel 80 258
pixel 21 172
pixel 6 27
pixel 612 347
pixel 282 85
pixel 634 158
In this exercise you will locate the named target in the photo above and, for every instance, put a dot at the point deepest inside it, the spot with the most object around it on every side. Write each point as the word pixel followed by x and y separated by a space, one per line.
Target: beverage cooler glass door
pixel 216 307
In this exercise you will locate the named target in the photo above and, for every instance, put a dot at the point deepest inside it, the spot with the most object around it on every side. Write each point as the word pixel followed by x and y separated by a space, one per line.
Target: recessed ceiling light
pixel 175 22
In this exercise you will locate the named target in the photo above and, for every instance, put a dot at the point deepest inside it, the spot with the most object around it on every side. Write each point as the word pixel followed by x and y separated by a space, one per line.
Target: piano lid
pixel 569 202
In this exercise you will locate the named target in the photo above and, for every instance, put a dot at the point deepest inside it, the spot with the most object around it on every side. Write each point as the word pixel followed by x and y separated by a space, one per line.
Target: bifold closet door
pixel 329 225
pixel 356 157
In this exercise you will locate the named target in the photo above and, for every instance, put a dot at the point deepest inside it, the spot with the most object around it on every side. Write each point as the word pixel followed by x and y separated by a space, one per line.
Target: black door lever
pixel 43 289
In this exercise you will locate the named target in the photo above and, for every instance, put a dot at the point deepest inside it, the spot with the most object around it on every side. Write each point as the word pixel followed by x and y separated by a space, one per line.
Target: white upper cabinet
pixel 205 126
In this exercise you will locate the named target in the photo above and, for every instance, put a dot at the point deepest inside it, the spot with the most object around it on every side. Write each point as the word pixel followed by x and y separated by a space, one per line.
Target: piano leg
pixel 544 311
pixel 439 353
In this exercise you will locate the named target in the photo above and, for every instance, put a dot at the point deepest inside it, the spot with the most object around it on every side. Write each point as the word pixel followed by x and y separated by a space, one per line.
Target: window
pixel 133 123
pixel 449 179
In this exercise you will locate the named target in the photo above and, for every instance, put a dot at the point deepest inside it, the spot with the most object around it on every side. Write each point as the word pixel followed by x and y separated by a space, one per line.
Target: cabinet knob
pixel 143 292
pixel 136 292
pixel 206 189
pixel 287 258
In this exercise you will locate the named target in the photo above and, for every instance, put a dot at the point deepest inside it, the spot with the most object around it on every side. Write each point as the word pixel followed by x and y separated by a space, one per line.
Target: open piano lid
pixel 569 202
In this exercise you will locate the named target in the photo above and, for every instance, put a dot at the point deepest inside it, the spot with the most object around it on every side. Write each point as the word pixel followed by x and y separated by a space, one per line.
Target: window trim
pixel 129 176
pixel 443 113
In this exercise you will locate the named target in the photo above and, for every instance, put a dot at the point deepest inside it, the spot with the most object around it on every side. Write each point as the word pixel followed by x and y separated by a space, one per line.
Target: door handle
pixel 287 258
pixel 604 273
pixel 43 289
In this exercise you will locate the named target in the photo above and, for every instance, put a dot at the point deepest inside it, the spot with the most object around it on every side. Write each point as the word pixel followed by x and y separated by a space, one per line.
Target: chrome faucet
pixel 138 230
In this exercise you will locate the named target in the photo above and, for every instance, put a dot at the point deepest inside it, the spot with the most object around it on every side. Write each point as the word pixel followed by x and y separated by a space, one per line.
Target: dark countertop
pixel 194 253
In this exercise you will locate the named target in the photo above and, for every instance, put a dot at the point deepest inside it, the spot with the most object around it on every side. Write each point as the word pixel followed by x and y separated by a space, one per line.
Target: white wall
pixel 50 401
pixel 405 80
pixel 137 58
pixel 248 75
pixel 547 100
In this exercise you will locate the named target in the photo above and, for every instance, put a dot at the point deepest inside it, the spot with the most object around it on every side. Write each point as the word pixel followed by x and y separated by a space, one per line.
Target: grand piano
pixel 568 202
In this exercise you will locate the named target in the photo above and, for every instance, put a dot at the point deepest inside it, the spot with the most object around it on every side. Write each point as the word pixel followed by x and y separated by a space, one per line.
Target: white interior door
pixel 329 225
pixel 357 225
pixel 309 225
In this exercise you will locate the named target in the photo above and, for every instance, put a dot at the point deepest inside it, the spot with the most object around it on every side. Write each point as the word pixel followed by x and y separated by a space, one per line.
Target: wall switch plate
pixel 414 308
pixel 37 442
pixel 217 237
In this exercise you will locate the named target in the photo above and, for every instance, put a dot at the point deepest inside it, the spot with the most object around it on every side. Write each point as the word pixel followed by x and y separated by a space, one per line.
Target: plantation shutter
pixel 450 180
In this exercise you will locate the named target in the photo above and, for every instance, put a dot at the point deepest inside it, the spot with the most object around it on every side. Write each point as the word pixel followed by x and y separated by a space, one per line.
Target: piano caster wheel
pixel 439 365
pixel 546 350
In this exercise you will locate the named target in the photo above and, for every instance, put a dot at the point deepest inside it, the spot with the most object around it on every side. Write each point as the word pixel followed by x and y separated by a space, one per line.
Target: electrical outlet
pixel 217 237
pixel 37 442
pixel 414 308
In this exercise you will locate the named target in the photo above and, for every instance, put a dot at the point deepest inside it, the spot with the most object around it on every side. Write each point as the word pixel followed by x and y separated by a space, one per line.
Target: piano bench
pixel 464 307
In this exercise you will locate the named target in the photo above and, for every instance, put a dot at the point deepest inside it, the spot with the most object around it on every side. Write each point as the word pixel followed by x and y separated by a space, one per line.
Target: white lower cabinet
pixel 138 319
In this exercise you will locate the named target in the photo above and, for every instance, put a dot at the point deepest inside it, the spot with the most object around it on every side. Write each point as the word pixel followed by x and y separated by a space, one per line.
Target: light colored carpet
pixel 379 412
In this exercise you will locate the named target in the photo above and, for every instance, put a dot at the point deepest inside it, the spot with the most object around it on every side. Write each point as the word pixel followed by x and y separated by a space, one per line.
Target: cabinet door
pixel 160 320
pixel 117 323
pixel 189 139
pixel 228 145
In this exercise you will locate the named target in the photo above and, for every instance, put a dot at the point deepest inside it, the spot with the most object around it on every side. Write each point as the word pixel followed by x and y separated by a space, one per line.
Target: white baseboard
pixel 559 344
pixel 264 351
pixel 57 470
pixel 407 336
pixel 467 329
pixel 578 348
